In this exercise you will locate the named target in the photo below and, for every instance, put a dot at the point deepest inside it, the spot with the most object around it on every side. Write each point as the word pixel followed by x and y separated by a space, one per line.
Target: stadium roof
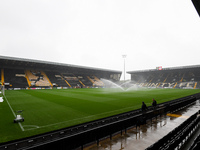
pixel 197 5
pixel 23 63
pixel 167 69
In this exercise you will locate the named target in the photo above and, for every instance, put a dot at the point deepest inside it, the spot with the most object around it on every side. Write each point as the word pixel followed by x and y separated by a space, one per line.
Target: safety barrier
pixel 179 136
pixel 196 143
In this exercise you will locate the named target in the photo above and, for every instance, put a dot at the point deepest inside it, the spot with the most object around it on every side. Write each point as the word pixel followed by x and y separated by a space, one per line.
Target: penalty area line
pixel 77 119
pixel 30 127
pixel 14 114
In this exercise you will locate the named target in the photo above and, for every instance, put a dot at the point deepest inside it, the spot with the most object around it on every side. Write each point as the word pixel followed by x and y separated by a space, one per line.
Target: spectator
pixel 144 106
pixel 154 104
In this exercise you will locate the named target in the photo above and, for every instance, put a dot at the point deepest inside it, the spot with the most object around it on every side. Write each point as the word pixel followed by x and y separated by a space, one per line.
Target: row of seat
pixel 19 78
pixel 185 79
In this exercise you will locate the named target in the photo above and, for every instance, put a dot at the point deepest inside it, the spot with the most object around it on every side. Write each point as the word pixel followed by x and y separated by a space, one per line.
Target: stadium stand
pixel 27 73
pixel 84 80
pixel 56 79
pixel 184 77
pixel 95 81
pixel 71 79
pixel 20 73
pixel 37 78
pixel 91 80
pixel 15 78
pixel 98 82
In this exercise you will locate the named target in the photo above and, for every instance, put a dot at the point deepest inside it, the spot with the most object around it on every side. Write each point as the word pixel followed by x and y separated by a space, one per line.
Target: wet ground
pixel 146 135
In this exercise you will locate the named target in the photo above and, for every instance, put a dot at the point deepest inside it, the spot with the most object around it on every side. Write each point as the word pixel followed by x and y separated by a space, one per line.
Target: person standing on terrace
pixel 144 107
pixel 154 104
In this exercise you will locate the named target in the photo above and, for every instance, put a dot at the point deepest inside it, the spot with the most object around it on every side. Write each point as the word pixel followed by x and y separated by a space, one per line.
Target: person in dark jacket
pixel 144 106
pixel 154 104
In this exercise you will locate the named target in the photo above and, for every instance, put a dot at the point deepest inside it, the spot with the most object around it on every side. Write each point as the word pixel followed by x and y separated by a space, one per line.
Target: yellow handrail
pixel 65 80
pixel 43 73
pixel 81 82
pixel 90 79
pixel 195 85
pixel 26 76
pixel 175 85
pixel 2 75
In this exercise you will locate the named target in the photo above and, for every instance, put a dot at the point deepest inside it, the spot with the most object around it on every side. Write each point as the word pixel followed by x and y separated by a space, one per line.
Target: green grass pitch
pixel 47 110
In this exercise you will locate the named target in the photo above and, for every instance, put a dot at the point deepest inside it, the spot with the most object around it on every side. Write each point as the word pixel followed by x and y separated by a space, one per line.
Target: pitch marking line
pixel 30 127
pixel 14 114
pixel 36 127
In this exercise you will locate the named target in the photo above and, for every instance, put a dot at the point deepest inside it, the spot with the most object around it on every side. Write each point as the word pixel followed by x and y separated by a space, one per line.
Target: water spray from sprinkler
pixel 127 86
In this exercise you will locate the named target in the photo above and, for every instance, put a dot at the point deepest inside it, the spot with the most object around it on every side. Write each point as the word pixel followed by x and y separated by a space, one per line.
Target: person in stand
pixel 144 106
pixel 154 104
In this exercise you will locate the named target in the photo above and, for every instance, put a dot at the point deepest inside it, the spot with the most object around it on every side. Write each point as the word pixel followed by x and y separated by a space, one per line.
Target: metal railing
pixel 179 136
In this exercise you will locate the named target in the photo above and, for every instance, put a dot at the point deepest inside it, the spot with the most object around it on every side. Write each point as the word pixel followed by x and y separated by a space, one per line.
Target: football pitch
pixel 47 110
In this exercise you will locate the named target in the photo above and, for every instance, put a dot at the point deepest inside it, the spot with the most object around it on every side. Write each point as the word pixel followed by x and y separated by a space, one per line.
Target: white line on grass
pixel 14 113
pixel 76 119
pixel 30 127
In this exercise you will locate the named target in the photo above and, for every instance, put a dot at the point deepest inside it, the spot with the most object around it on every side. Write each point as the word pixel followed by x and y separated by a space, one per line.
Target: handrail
pixel 178 135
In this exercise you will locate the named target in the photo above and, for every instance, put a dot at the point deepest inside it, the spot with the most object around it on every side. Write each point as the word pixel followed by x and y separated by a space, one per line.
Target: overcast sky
pixel 96 33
